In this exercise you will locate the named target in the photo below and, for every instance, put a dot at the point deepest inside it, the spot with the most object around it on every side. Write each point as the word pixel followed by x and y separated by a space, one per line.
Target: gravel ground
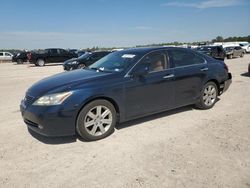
pixel 179 148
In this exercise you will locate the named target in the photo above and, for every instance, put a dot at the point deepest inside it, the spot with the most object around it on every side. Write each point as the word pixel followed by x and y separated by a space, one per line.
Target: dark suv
pixel 84 61
pixel 216 52
pixel 51 55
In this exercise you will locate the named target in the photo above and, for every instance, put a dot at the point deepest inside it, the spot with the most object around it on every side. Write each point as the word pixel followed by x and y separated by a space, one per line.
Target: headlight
pixel 73 62
pixel 52 99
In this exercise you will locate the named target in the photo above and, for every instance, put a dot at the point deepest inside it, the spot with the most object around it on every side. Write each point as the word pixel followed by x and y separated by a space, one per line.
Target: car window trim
pixel 205 61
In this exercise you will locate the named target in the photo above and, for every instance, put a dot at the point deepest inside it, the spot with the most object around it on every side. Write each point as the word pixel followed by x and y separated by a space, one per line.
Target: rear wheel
pixel 96 120
pixel 208 97
pixel 40 62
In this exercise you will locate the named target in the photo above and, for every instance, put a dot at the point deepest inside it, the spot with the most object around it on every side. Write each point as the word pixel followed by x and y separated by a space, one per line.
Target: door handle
pixel 204 69
pixel 168 76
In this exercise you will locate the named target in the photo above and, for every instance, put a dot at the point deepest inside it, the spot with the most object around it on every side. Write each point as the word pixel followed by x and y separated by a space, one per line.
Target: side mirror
pixel 141 70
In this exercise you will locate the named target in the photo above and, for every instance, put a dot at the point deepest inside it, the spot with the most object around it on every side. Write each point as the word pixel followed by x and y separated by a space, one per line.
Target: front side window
pixel 156 61
pixel 181 58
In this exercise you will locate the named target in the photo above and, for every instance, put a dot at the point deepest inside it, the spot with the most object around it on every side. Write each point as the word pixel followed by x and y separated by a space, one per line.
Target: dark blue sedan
pixel 123 85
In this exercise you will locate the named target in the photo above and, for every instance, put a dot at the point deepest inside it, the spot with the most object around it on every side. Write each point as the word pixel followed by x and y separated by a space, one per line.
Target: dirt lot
pixel 180 148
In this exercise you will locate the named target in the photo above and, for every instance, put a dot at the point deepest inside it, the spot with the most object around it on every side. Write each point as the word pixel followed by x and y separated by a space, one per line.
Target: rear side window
pixel 181 58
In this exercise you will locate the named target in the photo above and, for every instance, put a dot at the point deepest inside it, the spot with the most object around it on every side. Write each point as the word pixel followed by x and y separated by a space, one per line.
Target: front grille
pixel 28 100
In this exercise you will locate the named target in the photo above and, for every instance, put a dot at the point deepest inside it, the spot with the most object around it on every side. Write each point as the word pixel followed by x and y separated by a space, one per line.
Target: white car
pixel 246 47
pixel 5 56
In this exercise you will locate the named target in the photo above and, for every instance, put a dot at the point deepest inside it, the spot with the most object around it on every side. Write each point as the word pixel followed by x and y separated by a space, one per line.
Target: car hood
pixel 65 81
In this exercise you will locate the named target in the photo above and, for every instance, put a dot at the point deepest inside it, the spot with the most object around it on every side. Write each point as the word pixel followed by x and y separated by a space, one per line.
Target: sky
pixel 33 24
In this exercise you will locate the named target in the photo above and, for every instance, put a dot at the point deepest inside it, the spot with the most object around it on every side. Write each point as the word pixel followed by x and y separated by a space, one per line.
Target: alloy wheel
pixel 209 95
pixel 98 120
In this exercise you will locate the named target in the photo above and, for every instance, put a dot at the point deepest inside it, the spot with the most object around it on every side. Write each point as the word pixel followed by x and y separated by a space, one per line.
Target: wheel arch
pixel 217 84
pixel 109 99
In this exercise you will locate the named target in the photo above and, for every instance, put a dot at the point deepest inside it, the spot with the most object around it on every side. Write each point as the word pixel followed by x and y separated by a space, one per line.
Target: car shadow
pixel 74 138
pixel 46 65
pixel 246 74
pixel 154 116
pixel 53 140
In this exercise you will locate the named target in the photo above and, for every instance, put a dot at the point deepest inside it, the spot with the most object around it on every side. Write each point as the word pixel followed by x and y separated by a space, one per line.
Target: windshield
pixel 86 55
pixel 206 49
pixel 229 48
pixel 116 62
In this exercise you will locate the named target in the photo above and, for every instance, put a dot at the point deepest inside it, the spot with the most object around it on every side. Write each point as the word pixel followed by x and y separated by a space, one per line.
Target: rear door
pixel 190 72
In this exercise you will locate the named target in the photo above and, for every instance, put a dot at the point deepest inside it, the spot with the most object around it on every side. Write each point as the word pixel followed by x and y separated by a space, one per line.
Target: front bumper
pixel 49 120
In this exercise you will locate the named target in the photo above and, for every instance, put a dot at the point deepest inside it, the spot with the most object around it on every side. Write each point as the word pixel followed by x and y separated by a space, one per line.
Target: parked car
pixel 83 61
pixel 234 51
pixel 5 56
pixel 246 47
pixel 52 55
pixel 20 57
pixel 122 86
pixel 80 53
pixel 216 52
pixel 249 68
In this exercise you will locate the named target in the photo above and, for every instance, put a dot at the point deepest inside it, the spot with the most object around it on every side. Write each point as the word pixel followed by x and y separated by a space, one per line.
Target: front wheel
pixel 242 54
pixel 81 66
pixel 208 96
pixel 96 120
pixel 230 56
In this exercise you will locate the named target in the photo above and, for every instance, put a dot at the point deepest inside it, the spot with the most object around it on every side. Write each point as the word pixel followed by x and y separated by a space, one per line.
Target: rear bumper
pixel 224 87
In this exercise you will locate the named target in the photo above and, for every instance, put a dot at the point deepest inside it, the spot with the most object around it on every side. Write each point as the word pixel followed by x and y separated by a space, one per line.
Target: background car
pixel 5 56
pixel 85 60
pixel 216 52
pixel 122 86
pixel 246 47
pixel 234 51
pixel 20 57
pixel 50 55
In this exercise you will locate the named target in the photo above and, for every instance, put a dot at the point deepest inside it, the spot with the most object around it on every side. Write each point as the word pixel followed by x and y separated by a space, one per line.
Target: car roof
pixel 144 50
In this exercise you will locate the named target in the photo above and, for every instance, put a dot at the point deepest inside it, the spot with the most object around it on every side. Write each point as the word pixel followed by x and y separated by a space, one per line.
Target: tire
pixel 230 56
pixel 90 123
pixel 19 61
pixel 81 66
pixel 208 96
pixel 242 55
pixel 40 62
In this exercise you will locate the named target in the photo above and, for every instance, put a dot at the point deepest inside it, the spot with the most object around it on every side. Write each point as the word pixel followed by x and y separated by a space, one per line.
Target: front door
pixel 152 92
